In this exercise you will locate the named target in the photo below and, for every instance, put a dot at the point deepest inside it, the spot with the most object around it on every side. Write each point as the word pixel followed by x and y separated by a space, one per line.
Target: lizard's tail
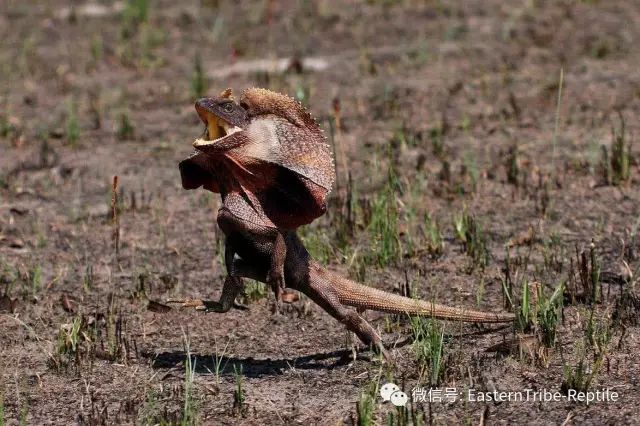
pixel 360 296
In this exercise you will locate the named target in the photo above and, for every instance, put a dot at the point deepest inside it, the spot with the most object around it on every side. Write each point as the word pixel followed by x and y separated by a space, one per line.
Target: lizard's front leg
pixel 232 287
pixel 268 238
pixel 275 276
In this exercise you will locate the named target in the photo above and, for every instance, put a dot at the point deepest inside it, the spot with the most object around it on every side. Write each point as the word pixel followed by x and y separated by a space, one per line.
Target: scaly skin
pixel 268 159
pixel 354 294
pixel 250 231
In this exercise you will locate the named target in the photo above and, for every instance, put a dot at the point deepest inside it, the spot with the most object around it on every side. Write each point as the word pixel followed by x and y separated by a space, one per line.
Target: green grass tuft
pixel 428 346
pixel 383 227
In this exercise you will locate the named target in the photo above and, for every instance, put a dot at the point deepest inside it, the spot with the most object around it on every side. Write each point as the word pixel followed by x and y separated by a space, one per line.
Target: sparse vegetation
pixel 485 158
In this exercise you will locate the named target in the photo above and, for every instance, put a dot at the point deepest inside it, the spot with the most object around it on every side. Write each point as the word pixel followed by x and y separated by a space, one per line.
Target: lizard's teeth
pixel 202 142
pixel 226 130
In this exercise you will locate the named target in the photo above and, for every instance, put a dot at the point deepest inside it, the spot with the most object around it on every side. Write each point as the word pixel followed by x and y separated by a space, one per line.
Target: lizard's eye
pixel 228 107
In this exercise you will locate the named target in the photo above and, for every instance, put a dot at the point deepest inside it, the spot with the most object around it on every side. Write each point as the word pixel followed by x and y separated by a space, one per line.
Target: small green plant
pixel 2 422
pixel 239 405
pixel 72 129
pixel 149 413
pixel 190 408
pixel 366 403
pixel 428 345
pixel 35 278
pixel 470 232
pixel 589 273
pixel 470 168
pixel 68 349
pixel 522 310
pixel 198 79
pixel 578 378
pixel 365 409
pixel 24 412
pixel 598 334
pixel 547 314
pixel 617 166
pixel 87 277
pixel 254 291
pixel 125 129
pixel 218 358
pixel 386 247
pixel 433 237
pixel 597 337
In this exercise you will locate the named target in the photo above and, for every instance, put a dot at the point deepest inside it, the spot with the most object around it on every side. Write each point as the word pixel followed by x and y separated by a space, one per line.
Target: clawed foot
pixel 386 356
pixel 275 279
pixel 204 305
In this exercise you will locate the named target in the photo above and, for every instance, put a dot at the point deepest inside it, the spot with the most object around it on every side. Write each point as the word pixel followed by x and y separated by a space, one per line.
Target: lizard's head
pixel 222 117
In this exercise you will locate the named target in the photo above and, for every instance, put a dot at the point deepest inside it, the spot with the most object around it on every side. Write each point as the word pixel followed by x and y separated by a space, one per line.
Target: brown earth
pixel 458 102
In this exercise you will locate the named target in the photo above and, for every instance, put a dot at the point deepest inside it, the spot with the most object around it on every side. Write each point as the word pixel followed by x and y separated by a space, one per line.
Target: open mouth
pixel 216 129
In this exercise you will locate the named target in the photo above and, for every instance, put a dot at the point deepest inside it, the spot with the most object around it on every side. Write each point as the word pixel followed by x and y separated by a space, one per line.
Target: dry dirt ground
pixel 488 147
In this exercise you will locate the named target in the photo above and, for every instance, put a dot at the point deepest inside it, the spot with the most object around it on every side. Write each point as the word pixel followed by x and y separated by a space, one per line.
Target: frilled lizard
pixel 267 158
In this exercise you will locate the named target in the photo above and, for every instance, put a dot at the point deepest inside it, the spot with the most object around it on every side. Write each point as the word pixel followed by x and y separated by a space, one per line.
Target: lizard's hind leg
pixel 322 293
pixel 325 295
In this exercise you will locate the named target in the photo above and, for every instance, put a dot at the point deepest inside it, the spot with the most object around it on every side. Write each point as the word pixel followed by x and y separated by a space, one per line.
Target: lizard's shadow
pixel 251 367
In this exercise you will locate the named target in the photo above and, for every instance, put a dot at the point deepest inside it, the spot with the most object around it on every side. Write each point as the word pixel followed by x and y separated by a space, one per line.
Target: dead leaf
pixel 154 306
